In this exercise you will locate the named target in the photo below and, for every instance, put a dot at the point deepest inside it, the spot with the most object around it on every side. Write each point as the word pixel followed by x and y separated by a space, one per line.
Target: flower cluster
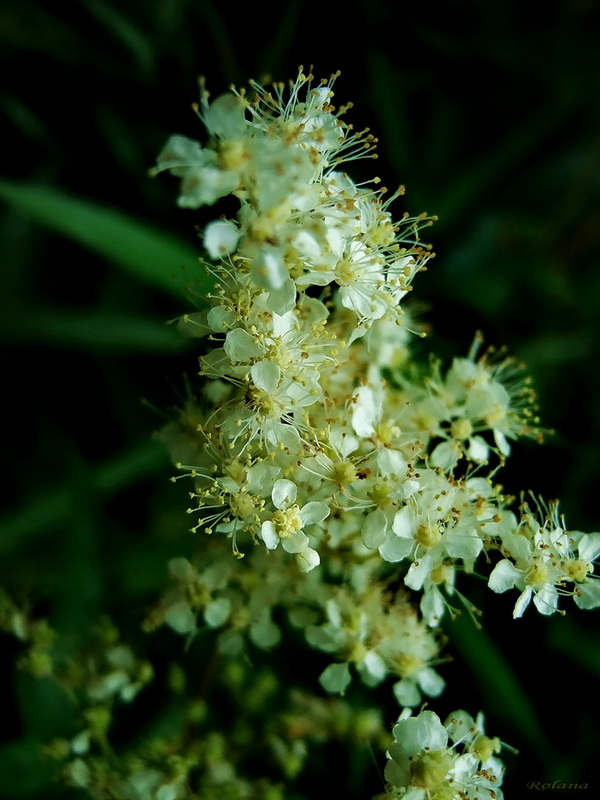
pixel 350 477
pixel 431 761
pixel 315 432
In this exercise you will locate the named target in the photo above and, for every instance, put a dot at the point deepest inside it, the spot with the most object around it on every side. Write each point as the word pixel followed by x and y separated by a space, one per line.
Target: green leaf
pixel 155 258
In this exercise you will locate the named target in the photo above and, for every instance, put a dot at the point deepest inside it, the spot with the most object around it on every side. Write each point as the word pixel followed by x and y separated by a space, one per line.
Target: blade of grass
pixel 474 180
pixel 574 641
pixel 155 258
pixel 43 512
pixel 273 52
pixel 90 330
pixel 390 96
pixel 125 32
pixel 504 694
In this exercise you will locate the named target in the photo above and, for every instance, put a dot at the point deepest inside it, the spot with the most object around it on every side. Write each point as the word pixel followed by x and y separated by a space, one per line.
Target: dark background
pixel 487 112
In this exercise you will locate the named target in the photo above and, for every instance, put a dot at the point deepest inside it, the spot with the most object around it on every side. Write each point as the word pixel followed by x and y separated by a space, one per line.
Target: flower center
pixel 242 504
pixel 537 575
pixel 428 535
pixel 380 495
pixel 575 569
pixel 429 770
pixel 484 747
pixel 461 429
pixel 287 521
pixel 344 472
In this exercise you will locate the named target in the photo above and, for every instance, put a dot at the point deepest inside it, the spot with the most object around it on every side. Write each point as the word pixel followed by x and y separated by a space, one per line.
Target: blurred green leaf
pixel 43 512
pixel 478 178
pixel 45 707
pixel 156 258
pixel 24 770
pixel 32 29
pixel 556 349
pixel 505 697
pixel 272 53
pixel 389 96
pixel 94 330
pixel 124 31
pixel 573 640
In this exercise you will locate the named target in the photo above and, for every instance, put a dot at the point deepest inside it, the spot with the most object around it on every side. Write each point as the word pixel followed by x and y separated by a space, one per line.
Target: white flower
pixel 535 574
pixel 288 521
pixel 424 767
pixel 221 238
pixel 202 181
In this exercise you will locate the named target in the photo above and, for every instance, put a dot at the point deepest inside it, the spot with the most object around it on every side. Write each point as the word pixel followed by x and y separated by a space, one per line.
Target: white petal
pixel 432 607
pixel 502 443
pixel 546 600
pixel 588 594
pixel 409 488
pixel 430 682
pixel 398 776
pixel 465 768
pixel 374 665
pixel 478 449
pixel 268 269
pixel 589 546
pixel 335 678
pixel 463 544
pixel 405 523
pixel 391 463
pixel 264 633
pixel 295 543
pixel 308 559
pixel 182 570
pixel 503 576
pixel 180 151
pixel 314 512
pixel 335 240
pixel 217 612
pixel 181 618
pixel 416 733
pixel 365 412
pixel 374 529
pixel 266 375
pixel 406 693
pixel 284 493
pixel 395 549
pixel 221 238
pixel 307 245
pixel 459 725
pixel 417 572
pixel 282 300
pixel 342 442
pixel 225 117
pixel 219 319
pixel 522 602
pixel 445 455
pixel 195 324
pixel 241 346
pixel 269 535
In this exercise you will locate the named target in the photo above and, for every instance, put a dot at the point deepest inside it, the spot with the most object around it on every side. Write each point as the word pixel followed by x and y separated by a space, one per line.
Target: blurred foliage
pixel 487 112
